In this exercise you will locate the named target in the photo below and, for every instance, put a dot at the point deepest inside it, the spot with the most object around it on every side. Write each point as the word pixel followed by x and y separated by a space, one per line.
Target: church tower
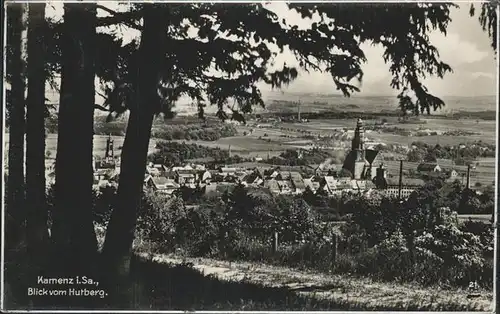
pixel 109 148
pixel 359 161
pixel 358 142
pixel 358 147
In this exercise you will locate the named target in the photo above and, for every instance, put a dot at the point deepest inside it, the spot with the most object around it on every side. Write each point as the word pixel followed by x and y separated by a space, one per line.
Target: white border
pixel 495 223
pixel 4 105
pixel 233 1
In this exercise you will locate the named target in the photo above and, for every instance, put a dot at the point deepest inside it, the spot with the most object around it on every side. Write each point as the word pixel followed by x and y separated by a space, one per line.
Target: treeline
pixel 314 156
pixel 194 132
pixel 175 154
pixel 423 152
pixel 189 130
pixel 482 115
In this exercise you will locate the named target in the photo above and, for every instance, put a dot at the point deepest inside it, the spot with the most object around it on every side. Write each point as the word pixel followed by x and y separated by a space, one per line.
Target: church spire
pixel 359 136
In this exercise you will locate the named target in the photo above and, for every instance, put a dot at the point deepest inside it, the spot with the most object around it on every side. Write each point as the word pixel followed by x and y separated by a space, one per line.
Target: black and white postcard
pixel 249 156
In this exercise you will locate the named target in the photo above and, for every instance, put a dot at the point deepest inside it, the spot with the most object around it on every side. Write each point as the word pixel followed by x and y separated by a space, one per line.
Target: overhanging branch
pixel 126 18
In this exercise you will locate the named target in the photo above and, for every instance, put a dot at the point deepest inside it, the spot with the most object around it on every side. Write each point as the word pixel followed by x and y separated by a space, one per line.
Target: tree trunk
pixel 73 234
pixel 37 233
pixel 15 218
pixel 120 231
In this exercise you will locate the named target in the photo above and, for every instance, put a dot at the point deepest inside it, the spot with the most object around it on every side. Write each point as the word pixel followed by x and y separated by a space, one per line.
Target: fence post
pixel 275 242
pixel 335 247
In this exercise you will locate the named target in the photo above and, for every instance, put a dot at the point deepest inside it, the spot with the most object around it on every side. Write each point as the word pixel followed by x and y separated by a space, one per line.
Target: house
pixel 254 178
pixel 297 182
pixel 336 186
pixel 272 173
pixel 282 175
pixel 428 167
pixel 349 185
pixel 313 183
pixel 170 175
pixel 155 172
pixel 205 176
pixel 240 176
pixel 162 185
pixel 156 169
pixel 273 186
pixel 285 187
pixel 328 184
pixel 216 176
pixel 104 173
pixel 50 178
pixel 183 168
pixel 102 184
pixel 230 178
pixel 50 165
pixel 186 176
pixel 225 171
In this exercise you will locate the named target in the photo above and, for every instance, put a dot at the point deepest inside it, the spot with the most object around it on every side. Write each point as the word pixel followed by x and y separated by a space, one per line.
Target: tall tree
pixel 143 106
pixel 16 37
pixel 37 233
pixel 72 230
pixel 234 46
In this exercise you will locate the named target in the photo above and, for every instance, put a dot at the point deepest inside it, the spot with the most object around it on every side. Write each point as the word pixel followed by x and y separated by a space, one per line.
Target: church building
pixel 360 162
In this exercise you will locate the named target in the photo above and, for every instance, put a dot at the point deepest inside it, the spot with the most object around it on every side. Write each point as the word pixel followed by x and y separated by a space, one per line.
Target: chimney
pixel 381 172
pixel 468 177
pixel 400 178
pixel 298 109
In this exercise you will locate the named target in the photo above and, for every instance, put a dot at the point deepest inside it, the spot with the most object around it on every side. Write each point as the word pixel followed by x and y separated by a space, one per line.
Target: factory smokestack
pixel 298 111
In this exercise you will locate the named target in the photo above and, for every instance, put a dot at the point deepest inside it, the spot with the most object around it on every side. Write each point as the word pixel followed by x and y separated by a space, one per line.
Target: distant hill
pixel 278 101
pixel 332 102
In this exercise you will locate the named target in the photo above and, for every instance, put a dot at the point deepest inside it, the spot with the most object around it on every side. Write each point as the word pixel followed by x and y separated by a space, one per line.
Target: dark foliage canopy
pixel 216 54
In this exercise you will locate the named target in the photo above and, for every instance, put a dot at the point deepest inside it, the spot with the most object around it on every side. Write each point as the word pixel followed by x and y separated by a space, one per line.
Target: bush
pixel 384 239
pixel 457 255
pixel 416 240
pixel 158 220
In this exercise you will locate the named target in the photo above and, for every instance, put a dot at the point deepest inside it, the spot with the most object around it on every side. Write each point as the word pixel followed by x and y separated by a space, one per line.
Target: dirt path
pixel 341 288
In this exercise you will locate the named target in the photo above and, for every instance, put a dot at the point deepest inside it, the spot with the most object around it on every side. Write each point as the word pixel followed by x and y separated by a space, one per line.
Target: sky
pixel 466 48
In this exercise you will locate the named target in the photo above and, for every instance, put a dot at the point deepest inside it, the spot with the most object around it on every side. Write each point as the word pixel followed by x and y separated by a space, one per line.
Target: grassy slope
pixel 304 290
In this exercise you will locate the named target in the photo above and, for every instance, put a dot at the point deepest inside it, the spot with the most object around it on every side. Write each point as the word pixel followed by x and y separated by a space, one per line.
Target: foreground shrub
pixel 428 248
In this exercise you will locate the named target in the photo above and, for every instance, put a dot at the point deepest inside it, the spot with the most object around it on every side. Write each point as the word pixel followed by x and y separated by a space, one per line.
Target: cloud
pixel 455 50
pixel 483 74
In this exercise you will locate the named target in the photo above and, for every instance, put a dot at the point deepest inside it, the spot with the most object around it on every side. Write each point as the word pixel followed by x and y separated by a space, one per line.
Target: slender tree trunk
pixel 36 206
pixel 120 232
pixel 15 219
pixel 73 232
